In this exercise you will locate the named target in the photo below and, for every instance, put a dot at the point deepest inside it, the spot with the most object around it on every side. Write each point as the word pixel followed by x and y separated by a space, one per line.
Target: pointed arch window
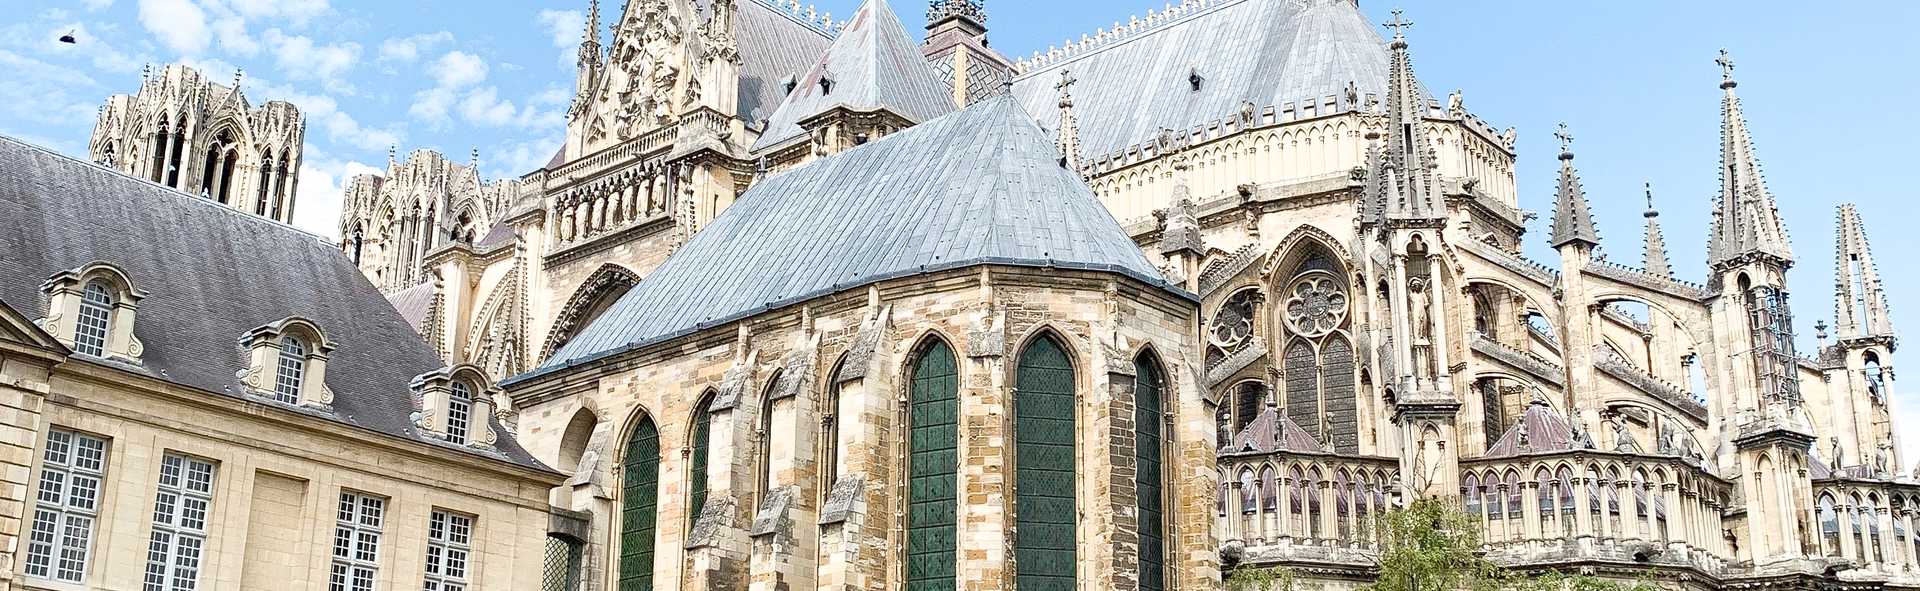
pixel 639 503
pixel 763 481
pixel 1149 412
pixel 292 371
pixel 829 444
pixel 1044 542
pixel 95 320
pixel 697 468
pixel 932 465
pixel 1318 360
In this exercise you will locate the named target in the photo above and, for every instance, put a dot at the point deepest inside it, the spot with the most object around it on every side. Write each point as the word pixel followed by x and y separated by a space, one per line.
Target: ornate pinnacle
pixel 938 10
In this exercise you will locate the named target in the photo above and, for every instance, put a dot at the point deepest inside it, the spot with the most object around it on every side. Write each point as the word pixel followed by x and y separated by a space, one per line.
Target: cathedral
pixel 818 303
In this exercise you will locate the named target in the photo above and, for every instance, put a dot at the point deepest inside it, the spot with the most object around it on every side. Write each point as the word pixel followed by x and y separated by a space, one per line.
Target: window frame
pixel 290 369
pixel 442 546
pixel 459 412
pixel 97 302
pixel 177 512
pixel 63 511
pixel 357 529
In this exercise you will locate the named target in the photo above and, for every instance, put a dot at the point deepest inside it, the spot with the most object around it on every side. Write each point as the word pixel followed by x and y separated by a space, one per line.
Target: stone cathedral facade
pixel 203 138
pixel 808 302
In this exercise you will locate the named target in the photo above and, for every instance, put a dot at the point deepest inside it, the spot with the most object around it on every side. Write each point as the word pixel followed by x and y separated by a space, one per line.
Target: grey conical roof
pixel 980 186
pixel 1572 218
pixel 872 65
pixel 1746 219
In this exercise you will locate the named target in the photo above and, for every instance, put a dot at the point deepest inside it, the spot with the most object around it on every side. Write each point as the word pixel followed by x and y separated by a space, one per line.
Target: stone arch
pixel 592 298
pixel 573 440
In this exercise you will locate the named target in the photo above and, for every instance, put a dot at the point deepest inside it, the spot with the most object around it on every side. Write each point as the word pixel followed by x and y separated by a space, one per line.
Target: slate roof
pixel 872 65
pixel 979 186
pixel 1540 430
pixel 1271 432
pixel 1267 52
pixel 413 303
pixel 774 45
pixel 212 273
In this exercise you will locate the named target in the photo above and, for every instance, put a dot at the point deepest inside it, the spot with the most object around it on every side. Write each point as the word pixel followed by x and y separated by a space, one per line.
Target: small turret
pixel 1572 218
pixel 1656 261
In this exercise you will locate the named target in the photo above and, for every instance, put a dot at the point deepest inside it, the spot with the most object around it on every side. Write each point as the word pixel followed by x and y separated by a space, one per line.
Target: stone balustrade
pixel 1303 500
pixel 1870 523
pixel 1591 504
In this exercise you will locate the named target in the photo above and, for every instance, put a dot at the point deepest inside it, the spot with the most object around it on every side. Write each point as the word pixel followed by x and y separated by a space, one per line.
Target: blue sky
pixel 1828 93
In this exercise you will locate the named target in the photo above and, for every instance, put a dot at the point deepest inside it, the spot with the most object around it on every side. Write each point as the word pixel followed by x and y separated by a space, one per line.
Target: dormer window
pixel 287 363
pixel 293 370
pixel 454 404
pixel 96 319
pixel 91 309
pixel 459 411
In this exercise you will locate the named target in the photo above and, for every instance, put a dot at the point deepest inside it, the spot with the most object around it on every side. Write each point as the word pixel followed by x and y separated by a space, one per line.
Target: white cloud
pixel 431 105
pixel 232 32
pixel 564 28
pixel 517 158
pixel 96 5
pixel 484 107
pixel 322 186
pixel 407 49
pixel 42 94
pixel 458 69
pixel 299 57
pixel 297 12
pixel 180 24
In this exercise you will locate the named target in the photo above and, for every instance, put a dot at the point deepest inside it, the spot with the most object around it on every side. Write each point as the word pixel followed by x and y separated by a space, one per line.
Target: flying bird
pixel 68 38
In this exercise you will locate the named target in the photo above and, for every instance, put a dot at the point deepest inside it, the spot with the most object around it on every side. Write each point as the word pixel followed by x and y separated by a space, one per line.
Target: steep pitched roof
pixel 980 186
pixel 1265 52
pixel 872 65
pixel 212 274
pixel 413 303
pixel 774 45
pixel 1271 432
pixel 1541 429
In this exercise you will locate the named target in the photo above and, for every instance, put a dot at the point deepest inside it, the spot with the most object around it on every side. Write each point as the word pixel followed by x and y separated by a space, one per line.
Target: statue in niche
pixel 1420 315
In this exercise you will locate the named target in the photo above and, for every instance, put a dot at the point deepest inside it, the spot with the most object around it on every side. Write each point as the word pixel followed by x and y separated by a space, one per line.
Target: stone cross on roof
pixel 1565 136
pixel 1398 24
pixel 1726 65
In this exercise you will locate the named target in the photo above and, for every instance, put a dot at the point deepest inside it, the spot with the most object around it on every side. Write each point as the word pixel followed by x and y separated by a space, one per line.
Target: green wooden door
pixel 1044 449
pixel 1148 389
pixel 934 409
pixel 639 499
pixel 697 472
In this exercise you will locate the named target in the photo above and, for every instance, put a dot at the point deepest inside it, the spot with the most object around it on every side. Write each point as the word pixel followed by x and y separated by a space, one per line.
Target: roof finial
pixel 1726 69
pixel 1566 141
pixel 1069 134
pixel 1655 250
pixel 1399 26
pixel 1572 219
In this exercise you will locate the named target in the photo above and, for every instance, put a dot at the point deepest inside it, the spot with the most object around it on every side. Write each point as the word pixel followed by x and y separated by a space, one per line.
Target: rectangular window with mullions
pixel 66 504
pixel 180 510
pixel 449 551
pixel 356 542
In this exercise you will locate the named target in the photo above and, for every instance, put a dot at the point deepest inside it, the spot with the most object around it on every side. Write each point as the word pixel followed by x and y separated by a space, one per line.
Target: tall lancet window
pixel 1149 411
pixel 1317 360
pixel 933 408
pixel 1043 435
pixel 639 501
pixel 702 443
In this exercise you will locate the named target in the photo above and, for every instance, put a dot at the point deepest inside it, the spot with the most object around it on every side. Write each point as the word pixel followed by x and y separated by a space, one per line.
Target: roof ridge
pixel 815 22
pixel 1104 38
pixel 172 192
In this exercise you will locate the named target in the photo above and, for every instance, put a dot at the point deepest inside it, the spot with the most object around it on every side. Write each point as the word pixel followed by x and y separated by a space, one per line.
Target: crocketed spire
pixel 1656 262
pixel 1746 221
pixel 1406 173
pixel 1069 133
pixel 1859 303
pixel 1572 219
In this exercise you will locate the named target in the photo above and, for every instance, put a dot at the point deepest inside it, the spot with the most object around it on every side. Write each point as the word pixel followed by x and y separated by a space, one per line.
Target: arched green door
pixel 1044 461
pixel 933 423
pixel 639 499
pixel 1148 392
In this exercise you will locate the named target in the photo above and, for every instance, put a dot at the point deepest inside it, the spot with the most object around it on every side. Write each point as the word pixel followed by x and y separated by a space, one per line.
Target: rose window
pixel 1233 323
pixel 1317 307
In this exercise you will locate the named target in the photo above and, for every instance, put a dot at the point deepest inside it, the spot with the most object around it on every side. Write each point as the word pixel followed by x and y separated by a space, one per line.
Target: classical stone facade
pixel 203 138
pixel 219 421
pixel 869 371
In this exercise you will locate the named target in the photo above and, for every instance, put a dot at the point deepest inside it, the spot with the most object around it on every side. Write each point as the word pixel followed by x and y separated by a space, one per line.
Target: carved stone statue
pixel 1455 103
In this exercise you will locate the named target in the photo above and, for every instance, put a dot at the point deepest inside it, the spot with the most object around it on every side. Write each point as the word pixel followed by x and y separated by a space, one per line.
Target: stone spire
pixel 1572 219
pixel 1746 221
pixel 1859 303
pixel 588 61
pixel 1656 261
pixel 1406 172
pixel 1181 233
pixel 1069 134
